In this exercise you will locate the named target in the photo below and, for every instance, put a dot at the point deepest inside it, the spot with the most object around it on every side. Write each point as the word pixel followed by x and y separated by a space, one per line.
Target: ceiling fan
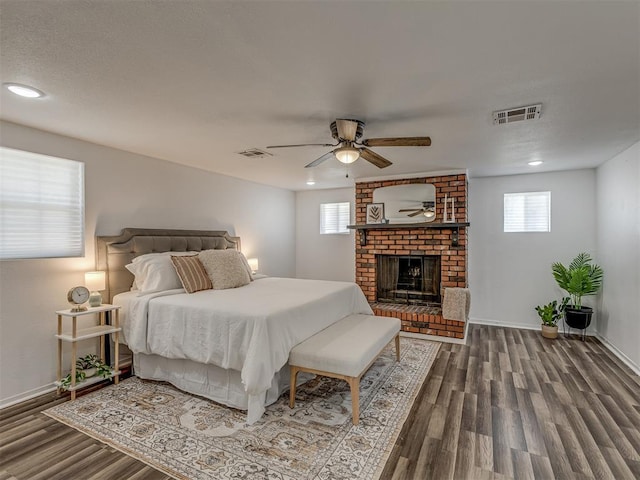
pixel 428 209
pixel 348 132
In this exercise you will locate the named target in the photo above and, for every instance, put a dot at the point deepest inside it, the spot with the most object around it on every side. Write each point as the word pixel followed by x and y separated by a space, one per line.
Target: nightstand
pixel 78 334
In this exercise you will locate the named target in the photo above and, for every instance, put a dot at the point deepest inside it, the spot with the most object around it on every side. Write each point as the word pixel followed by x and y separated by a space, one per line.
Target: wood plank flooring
pixel 508 404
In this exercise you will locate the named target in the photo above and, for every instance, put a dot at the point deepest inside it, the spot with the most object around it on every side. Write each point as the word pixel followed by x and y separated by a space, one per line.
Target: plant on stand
pixel 550 314
pixel 86 367
pixel 580 279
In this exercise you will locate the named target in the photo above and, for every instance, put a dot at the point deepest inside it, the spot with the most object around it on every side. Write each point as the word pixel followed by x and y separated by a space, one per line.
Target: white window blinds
pixel 41 206
pixel 527 212
pixel 334 217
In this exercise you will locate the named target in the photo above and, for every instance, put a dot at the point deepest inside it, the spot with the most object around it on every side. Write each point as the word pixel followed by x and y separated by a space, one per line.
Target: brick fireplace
pixel 432 256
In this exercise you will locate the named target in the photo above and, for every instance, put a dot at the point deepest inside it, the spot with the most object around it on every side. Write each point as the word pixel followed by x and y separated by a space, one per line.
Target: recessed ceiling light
pixel 535 163
pixel 311 182
pixel 24 90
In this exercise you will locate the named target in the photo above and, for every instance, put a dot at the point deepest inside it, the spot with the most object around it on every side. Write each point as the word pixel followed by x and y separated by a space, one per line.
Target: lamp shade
pixel 94 281
pixel 253 263
pixel 347 154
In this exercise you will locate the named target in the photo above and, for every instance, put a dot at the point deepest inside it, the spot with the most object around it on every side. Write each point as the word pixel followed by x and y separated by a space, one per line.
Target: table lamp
pixel 253 264
pixel 95 281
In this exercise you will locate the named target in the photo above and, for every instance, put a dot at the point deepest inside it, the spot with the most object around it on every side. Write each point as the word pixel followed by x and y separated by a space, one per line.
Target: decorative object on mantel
pixel 446 217
pixel 579 280
pixel 375 213
pixel 190 437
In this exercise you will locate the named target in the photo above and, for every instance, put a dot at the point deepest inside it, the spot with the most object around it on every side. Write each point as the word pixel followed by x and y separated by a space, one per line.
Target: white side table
pixel 77 335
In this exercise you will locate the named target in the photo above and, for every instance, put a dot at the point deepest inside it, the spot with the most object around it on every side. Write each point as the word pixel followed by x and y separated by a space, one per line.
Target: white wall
pixel 618 235
pixel 510 273
pixel 125 190
pixel 323 257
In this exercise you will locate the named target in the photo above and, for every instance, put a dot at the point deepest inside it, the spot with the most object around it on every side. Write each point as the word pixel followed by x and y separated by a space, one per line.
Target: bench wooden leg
pixel 354 383
pixel 398 347
pixel 292 387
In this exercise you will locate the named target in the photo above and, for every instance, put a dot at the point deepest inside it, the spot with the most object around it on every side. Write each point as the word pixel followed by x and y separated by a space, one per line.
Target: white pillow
pixel 147 256
pixel 226 268
pixel 155 272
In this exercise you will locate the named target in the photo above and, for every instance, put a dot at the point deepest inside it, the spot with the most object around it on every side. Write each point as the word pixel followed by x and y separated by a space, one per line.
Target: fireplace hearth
pixel 408 279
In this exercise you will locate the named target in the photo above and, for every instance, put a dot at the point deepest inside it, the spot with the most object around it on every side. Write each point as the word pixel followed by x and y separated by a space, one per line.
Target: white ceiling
pixel 194 82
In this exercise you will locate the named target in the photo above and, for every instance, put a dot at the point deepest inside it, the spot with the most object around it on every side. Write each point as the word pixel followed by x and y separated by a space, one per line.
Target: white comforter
pixel 251 329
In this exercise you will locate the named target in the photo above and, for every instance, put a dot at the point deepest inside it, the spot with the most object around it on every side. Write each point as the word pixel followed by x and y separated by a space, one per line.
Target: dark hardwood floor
pixel 508 404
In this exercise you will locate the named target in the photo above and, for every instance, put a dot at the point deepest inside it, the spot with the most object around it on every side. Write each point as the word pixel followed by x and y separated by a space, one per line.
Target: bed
pixel 229 345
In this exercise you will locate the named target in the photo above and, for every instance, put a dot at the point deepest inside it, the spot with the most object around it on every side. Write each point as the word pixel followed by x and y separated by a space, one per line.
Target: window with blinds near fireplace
pixel 527 212
pixel 334 217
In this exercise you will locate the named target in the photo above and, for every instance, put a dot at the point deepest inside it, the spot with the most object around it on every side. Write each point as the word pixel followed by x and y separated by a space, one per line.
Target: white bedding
pixel 250 329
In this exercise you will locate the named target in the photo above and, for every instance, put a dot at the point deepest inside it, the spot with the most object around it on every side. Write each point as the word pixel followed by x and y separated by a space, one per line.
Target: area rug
pixel 191 438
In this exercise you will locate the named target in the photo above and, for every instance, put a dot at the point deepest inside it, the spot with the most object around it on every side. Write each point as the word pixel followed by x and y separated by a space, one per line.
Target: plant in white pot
pixel 86 367
pixel 580 279
pixel 549 315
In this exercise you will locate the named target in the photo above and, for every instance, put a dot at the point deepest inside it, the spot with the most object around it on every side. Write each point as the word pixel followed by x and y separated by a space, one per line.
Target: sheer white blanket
pixel 251 329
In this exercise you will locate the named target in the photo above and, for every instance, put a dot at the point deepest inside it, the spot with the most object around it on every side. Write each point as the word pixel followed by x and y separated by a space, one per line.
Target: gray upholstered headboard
pixel 114 252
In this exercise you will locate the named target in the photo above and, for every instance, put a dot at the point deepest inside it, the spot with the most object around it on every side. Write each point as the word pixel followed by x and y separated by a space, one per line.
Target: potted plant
pixel 580 279
pixel 87 367
pixel 550 314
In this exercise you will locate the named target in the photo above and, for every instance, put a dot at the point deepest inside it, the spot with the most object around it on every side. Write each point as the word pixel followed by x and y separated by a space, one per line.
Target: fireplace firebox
pixel 408 279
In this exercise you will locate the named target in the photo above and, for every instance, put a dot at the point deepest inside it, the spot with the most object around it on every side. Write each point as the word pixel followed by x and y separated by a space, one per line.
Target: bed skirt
pixel 210 381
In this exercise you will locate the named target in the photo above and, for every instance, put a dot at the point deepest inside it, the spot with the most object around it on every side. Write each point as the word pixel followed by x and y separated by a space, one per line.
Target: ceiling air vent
pixel 255 153
pixel 517 114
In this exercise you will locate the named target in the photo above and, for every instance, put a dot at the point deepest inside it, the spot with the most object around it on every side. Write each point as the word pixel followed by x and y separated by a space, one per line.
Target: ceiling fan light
pixel 429 213
pixel 347 154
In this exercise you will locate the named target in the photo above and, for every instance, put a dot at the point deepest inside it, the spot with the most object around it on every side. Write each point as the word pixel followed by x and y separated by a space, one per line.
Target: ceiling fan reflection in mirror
pixel 348 132
pixel 428 209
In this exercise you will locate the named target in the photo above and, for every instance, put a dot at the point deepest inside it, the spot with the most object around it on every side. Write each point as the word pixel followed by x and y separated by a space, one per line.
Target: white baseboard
pixel 524 326
pixel 28 395
pixel 613 349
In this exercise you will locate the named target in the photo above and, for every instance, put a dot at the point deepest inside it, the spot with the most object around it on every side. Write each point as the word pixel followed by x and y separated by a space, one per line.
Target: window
pixel 527 212
pixel 41 206
pixel 334 217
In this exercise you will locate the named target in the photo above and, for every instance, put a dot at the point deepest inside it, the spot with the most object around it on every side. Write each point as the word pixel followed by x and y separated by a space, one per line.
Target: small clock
pixel 77 296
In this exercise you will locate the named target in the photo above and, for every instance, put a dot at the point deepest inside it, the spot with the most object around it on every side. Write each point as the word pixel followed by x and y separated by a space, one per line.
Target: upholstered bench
pixel 344 350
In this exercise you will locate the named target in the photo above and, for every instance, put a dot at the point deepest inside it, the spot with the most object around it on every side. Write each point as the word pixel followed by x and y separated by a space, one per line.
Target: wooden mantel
pixel 362 229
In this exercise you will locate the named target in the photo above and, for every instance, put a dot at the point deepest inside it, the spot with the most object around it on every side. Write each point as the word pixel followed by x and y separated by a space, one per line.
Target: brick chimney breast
pixel 410 240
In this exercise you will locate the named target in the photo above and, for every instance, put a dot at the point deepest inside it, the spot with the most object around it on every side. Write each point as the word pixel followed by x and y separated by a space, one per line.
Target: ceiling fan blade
pixel 398 142
pixel 415 214
pixel 318 161
pixel 372 157
pixel 347 129
pixel 304 145
pixel 410 210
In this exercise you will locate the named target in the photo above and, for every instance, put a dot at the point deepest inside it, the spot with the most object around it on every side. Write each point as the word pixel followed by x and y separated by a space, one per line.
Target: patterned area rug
pixel 192 438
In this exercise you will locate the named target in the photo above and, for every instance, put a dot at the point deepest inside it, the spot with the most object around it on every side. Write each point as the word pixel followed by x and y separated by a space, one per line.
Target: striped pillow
pixel 192 274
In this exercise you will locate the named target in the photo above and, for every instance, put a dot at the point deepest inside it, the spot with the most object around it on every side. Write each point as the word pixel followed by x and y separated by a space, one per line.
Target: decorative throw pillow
pixel 226 268
pixel 192 274
pixel 154 272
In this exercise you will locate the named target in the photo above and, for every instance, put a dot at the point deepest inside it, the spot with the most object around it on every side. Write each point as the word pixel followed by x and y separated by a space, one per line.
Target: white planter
pixel 89 372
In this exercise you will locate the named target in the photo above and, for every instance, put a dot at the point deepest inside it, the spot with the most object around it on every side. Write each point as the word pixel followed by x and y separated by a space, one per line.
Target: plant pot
pixel 579 318
pixel 549 332
pixel 89 372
